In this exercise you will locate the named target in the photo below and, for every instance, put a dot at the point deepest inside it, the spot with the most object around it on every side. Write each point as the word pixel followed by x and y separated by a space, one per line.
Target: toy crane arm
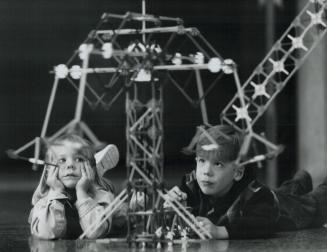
pixel 284 59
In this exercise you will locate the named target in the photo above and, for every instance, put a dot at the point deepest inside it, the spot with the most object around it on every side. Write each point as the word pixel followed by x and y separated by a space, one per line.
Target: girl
pixel 71 195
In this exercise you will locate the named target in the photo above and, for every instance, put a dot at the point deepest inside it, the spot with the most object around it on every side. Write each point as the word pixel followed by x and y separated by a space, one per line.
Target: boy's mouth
pixel 206 183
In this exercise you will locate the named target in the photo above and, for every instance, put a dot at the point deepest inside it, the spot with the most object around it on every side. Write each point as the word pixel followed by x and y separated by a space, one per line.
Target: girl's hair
pixel 85 150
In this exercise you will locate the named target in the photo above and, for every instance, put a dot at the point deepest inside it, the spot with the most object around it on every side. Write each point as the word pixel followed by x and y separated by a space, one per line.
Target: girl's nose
pixel 70 164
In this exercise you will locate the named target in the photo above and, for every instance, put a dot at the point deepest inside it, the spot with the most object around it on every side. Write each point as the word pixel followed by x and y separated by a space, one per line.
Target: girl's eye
pixel 61 160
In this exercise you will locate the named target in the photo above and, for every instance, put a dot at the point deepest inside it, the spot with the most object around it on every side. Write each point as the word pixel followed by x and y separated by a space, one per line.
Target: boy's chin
pixel 208 192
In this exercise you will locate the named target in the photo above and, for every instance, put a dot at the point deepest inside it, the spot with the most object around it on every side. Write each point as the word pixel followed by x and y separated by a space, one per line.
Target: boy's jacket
pixel 248 210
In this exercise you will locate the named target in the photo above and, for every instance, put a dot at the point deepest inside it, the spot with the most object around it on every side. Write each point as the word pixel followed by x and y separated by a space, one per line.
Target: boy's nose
pixel 207 168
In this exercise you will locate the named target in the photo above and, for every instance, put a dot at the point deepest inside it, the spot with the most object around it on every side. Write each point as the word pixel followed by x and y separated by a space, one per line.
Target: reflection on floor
pixel 15 234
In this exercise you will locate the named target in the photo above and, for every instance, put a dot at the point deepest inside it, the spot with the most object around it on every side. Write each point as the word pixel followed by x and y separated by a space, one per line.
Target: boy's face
pixel 70 162
pixel 215 178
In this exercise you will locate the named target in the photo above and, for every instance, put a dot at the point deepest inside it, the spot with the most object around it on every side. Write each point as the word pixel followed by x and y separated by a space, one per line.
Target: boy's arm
pixel 47 218
pixel 255 219
pixel 217 232
pixel 90 211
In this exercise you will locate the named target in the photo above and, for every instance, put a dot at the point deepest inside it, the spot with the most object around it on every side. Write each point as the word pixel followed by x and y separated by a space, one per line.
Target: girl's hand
pixel 85 182
pixel 52 179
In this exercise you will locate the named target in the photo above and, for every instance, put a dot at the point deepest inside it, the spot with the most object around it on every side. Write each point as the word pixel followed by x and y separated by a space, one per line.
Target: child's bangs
pixel 219 154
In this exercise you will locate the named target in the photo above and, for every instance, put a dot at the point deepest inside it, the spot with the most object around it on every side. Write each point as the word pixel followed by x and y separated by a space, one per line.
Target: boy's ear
pixel 238 173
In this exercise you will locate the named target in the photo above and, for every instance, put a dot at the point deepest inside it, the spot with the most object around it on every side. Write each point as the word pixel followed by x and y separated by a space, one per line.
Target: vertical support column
pixel 144 135
pixel 271 114
pixel 312 112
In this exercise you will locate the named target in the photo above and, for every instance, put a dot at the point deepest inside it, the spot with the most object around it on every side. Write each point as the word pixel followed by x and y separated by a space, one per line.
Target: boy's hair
pixel 228 142
pixel 86 150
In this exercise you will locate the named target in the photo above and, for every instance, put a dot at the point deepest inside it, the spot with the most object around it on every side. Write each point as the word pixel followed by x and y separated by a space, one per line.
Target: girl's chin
pixel 70 184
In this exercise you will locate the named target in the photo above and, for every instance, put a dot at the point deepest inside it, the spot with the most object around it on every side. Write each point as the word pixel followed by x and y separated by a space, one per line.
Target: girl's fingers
pixel 56 171
pixel 50 171
pixel 83 171
pixel 84 167
pixel 87 169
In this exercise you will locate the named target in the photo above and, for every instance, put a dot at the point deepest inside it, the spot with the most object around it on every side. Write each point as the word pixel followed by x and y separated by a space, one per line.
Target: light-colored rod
pixel 81 90
pixel 50 106
pixel 143 20
pixel 202 102
pixel 265 141
pixel 89 133
pixel 148 30
pixel 145 177
pixel 24 147
pixel 208 136
pixel 180 214
pixel 62 130
pixel 183 67
pixel 158 145
pixel 141 146
pixel 37 151
pixel 140 119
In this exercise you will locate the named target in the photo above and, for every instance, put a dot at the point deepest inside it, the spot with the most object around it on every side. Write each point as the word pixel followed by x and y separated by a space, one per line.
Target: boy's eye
pixel 219 164
pixel 79 159
pixel 200 160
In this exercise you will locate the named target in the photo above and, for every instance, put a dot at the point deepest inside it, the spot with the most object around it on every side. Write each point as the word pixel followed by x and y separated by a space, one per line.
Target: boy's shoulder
pixel 258 192
pixel 190 183
pixel 189 178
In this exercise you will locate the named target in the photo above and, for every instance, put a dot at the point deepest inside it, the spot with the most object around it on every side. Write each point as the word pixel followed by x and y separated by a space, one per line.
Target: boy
pixel 231 204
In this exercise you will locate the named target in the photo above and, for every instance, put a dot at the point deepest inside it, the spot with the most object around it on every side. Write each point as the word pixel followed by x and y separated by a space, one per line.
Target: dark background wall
pixel 39 34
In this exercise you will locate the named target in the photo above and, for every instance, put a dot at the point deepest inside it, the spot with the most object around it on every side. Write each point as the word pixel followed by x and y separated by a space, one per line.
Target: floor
pixel 15 195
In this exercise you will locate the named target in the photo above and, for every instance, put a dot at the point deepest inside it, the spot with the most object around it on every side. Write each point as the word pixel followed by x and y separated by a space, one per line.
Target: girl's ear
pixel 238 173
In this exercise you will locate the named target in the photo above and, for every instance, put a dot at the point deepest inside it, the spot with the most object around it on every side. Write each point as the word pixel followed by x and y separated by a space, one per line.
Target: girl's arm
pixel 90 211
pixel 47 217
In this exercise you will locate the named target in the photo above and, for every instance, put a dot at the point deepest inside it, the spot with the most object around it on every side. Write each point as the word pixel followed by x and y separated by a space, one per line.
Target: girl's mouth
pixel 70 176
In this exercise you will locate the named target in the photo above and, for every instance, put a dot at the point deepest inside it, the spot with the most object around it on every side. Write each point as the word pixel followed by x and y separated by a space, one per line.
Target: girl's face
pixel 70 162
